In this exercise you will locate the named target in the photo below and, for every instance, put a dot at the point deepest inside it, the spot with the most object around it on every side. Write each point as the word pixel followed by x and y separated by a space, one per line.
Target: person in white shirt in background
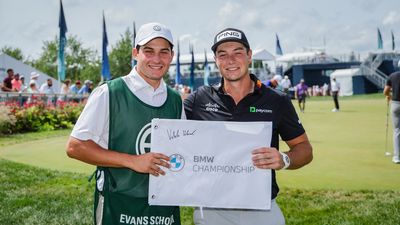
pixel 286 84
pixel 335 88
pixel 47 88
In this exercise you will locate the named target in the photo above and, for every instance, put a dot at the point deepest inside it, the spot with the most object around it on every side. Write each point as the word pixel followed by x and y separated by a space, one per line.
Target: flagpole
pixel 133 44
pixel 178 68
pixel 61 45
pixel 105 67
pixel 192 65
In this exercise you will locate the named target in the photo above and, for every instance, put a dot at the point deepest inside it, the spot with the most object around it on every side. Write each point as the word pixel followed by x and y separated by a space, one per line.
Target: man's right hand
pixel 149 163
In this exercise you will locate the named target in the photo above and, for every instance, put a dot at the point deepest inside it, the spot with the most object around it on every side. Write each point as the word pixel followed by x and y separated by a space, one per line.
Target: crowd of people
pixel 16 83
pixel 301 91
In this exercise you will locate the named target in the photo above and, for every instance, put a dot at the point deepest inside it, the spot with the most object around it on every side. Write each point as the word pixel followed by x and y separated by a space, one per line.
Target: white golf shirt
pixel 93 123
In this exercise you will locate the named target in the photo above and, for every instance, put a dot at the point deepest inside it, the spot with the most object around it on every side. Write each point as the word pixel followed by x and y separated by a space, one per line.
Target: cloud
pixel 392 18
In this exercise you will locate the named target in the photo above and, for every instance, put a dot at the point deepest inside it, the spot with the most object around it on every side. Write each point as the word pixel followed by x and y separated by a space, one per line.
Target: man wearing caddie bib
pixel 113 133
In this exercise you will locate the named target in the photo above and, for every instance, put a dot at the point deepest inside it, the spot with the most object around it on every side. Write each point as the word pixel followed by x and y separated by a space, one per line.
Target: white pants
pixel 213 216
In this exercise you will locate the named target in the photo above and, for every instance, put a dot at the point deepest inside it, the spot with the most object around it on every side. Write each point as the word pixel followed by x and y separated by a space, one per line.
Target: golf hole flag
pixel 211 164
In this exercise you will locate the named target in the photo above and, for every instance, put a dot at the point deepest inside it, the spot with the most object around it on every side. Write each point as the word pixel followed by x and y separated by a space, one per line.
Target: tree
pixel 81 62
pixel 16 53
pixel 120 55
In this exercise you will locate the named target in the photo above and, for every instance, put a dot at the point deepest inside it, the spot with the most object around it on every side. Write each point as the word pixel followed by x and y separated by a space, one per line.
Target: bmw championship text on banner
pixel 211 164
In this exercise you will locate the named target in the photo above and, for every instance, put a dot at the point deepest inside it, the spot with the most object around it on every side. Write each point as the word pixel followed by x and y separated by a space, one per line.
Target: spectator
pixel 335 88
pixel 47 88
pixel 16 83
pixel 286 84
pixel 32 88
pixel 301 94
pixel 272 83
pixel 65 87
pixel 7 82
pixel 34 78
pixel 24 88
pixel 75 87
pixel 85 90
pixel 325 89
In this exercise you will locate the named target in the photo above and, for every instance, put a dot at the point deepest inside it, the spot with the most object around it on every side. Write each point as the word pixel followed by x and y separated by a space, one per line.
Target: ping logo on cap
pixel 229 34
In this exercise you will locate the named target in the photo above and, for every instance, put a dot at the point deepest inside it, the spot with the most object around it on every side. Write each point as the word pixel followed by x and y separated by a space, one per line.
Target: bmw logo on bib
pixel 177 162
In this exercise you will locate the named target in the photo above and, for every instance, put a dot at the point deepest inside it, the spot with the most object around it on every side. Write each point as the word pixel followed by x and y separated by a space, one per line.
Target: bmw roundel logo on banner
pixel 177 162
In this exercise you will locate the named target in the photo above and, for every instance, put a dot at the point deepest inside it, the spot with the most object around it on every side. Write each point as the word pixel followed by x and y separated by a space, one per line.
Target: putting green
pixel 46 153
pixel 349 149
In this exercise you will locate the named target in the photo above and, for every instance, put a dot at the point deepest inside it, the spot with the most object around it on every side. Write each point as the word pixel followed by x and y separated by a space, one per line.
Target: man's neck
pixel 239 89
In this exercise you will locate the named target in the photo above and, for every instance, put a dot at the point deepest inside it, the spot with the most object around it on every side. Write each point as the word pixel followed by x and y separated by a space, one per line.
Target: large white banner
pixel 211 164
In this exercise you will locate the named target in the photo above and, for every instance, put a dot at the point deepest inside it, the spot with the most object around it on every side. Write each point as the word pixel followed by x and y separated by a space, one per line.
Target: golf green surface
pixel 349 148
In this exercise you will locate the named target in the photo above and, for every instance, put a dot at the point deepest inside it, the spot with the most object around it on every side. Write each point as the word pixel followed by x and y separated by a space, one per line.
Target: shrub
pixel 39 116
pixel 7 119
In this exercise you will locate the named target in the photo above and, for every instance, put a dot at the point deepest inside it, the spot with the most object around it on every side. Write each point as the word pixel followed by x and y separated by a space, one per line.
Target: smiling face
pixel 153 60
pixel 233 59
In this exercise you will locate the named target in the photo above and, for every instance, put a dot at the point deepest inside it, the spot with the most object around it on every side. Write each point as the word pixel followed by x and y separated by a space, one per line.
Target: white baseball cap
pixel 149 31
pixel 34 75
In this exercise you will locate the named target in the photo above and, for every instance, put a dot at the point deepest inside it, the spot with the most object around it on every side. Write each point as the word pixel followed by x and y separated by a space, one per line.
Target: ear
pixel 250 54
pixel 215 60
pixel 134 52
pixel 172 55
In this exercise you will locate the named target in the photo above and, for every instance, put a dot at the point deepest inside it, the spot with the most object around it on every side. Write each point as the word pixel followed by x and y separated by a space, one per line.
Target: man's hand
pixel 149 163
pixel 267 158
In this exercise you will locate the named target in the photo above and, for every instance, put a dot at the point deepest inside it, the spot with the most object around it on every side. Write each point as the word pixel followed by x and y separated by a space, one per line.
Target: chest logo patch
pixel 253 109
pixel 143 140
pixel 212 107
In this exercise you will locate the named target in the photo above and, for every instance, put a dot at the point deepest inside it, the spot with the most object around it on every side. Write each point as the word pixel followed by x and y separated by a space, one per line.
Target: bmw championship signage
pixel 211 164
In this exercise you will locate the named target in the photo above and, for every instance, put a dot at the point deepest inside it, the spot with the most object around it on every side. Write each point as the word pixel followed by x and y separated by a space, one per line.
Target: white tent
pixel 304 57
pixel 7 62
pixel 345 78
pixel 262 54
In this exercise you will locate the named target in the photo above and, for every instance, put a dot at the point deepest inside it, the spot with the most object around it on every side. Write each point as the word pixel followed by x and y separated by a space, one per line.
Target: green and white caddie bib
pixel 121 194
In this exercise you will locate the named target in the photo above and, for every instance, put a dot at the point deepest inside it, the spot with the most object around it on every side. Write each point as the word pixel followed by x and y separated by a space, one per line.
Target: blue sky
pixel 345 25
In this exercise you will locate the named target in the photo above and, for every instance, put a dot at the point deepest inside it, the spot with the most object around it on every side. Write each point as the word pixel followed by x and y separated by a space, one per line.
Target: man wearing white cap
pixel 113 133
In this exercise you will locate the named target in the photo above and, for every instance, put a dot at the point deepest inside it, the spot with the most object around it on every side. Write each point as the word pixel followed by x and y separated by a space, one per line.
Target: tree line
pixel 81 63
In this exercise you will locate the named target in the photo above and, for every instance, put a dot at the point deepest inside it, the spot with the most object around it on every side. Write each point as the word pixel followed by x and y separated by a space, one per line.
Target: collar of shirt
pixel 257 87
pixel 138 84
pixel 144 90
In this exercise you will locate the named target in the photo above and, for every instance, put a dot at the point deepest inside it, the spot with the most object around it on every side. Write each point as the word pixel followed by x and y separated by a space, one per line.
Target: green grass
pixel 29 195
pixel 6 140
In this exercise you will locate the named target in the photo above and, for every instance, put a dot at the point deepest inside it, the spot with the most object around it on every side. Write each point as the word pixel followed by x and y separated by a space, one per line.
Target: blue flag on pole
pixel 393 43
pixel 278 46
pixel 105 66
pixel 178 68
pixel 380 40
pixel 191 83
pixel 133 44
pixel 62 43
pixel 206 69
